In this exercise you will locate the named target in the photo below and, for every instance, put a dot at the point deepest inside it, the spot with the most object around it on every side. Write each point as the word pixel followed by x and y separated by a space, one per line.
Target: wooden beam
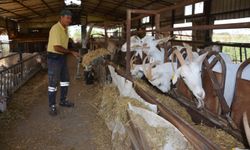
pixel 117 6
pixel 100 2
pixel 27 7
pixel 6 10
pixel 46 4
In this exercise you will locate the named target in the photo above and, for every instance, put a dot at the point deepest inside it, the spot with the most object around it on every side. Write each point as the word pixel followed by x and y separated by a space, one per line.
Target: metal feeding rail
pixel 194 137
pixel 15 76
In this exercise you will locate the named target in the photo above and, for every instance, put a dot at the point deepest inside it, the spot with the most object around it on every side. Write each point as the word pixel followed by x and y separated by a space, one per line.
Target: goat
pixel 135 45
pixel 218 49
pixel 161 75
pixel 149 47
pixel 230 78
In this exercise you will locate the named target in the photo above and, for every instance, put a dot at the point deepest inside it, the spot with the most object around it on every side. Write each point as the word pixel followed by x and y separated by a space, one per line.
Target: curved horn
pixel 179 57
pixel 189 51
pixel 132 60
pixel 148 73
pixel 246 127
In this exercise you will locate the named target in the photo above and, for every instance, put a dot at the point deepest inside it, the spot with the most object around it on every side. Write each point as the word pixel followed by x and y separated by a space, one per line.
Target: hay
pixel 113 109
pixel 92 55
pixel 218 136
pixel 157 135
pixel 165 100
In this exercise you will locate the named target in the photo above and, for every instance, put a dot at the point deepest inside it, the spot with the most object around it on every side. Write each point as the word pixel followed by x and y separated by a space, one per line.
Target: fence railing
pixel 15 76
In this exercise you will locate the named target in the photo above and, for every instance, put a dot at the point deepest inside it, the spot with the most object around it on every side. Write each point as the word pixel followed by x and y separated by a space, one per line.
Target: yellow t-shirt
pixel 58 35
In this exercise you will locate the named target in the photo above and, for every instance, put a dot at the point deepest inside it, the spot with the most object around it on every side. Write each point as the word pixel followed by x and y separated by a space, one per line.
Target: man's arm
pixel 61 49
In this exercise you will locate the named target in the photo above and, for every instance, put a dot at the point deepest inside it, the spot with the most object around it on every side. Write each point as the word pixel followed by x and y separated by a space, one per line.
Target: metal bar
pixel 240 54
pixel 128 34
pixel 8 56
pixel 247 45
pixel 245 51
pixel 208 27
pixel 157 22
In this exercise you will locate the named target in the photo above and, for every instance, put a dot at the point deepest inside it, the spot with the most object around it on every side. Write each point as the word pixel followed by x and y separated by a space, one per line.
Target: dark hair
pixel 65 12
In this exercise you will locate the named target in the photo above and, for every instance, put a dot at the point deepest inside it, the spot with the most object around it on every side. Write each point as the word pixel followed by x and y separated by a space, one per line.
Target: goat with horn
pixel 161 75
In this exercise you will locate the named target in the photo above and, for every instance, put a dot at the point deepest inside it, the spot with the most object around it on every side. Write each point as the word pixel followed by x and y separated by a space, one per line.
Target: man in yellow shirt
pixel 57 63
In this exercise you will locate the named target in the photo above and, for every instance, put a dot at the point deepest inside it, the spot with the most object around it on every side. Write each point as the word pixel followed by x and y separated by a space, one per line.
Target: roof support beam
pixel 45 3
pixel 100 2
pixel 115 8
pixel 27 7
pixel 13 13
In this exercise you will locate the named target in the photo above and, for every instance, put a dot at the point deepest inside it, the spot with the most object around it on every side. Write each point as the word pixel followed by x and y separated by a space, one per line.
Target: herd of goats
pixel 160 67
pixel 164 68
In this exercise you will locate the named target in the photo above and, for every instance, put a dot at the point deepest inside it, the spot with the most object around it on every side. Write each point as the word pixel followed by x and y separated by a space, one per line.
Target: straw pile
pixel 113 109
pixel 157 135
pixel 218 136
pixel 92 55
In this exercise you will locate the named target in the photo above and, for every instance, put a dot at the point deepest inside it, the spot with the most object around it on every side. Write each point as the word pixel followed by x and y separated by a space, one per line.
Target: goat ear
pixel 176 76
pixel 162 40
pixel 201 58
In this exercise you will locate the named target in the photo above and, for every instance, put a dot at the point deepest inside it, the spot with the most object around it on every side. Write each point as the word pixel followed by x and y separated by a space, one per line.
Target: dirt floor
pixel 28 126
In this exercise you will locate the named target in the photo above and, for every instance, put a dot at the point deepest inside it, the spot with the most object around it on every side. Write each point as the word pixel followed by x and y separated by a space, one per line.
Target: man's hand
pixel 76 54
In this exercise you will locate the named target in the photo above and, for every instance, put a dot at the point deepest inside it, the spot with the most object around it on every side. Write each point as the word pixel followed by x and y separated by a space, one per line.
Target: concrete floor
pixel 28 126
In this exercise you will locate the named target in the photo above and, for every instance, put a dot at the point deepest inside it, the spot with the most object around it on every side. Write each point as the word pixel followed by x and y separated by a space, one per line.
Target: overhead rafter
pixel 13 13
pixel 100 2
pixel 117 6
pixel 27 7
pixel 45 3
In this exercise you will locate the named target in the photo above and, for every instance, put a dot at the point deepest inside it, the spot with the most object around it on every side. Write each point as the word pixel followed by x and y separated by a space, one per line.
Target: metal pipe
pixel 128 35
pixel 208 27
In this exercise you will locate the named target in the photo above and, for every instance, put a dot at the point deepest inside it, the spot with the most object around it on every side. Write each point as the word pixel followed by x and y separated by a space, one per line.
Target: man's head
pixel 65 17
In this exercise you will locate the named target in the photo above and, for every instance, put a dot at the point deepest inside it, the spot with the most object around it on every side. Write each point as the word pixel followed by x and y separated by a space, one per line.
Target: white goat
pixel 190 71
pixel 231 72
pixel 218 49
pixel 135 45
pixel 149 47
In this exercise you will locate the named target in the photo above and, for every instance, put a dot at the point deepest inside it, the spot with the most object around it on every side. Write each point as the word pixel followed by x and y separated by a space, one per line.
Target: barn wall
pixel 232 6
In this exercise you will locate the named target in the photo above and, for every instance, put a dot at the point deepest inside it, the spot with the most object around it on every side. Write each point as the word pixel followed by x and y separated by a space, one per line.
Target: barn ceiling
pixel 23 10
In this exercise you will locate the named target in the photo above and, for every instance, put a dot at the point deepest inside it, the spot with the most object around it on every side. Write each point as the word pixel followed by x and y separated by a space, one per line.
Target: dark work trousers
pixel 57 71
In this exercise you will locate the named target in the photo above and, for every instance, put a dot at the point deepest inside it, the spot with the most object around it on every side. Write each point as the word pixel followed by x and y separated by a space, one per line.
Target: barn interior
pixel 151 74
